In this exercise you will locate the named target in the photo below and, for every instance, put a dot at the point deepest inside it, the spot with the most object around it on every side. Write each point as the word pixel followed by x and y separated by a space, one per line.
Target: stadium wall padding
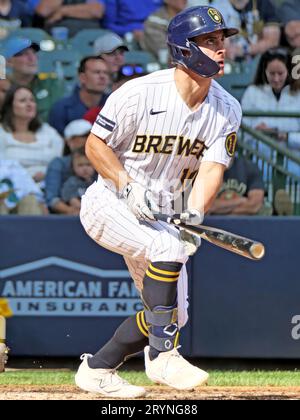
pixel 68 295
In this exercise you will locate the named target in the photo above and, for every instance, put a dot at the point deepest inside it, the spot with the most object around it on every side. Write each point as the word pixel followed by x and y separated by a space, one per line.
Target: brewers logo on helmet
pixel 215 15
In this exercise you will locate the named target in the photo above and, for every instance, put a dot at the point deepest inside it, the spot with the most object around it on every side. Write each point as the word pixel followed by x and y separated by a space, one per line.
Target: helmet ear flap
pixel 194 59
pixel 200 63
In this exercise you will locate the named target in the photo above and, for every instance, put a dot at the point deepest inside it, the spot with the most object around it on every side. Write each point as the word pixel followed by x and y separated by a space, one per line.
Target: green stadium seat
pixel 236 83
pixel 68 59
pixel 34 34
pixel 142 58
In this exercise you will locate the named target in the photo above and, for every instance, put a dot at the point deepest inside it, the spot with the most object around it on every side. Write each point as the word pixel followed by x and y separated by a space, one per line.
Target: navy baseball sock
pixel 130 338
pixel 160 299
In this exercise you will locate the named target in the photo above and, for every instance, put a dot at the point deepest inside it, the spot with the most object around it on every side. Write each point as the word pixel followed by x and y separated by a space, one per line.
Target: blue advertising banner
pixel 68 295
pixel 244 308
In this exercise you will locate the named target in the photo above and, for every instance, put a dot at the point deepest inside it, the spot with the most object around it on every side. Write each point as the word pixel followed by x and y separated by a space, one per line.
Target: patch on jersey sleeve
pixel 230 144
pixel 105 123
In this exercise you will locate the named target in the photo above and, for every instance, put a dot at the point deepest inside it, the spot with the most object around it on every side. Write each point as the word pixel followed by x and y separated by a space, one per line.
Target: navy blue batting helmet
pixel 189 23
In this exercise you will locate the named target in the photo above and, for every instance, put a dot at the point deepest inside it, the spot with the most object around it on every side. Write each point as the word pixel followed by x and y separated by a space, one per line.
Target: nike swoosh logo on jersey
pixel 156 112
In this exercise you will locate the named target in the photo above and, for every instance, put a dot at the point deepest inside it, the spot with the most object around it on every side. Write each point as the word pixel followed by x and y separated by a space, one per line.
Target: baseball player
pixel 152 135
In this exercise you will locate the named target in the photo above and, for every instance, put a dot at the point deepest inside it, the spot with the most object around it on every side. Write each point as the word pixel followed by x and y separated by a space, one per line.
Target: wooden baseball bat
pixel 234 243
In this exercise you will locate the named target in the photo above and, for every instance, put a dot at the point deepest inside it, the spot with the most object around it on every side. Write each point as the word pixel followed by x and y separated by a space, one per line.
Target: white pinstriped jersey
pixel 159 139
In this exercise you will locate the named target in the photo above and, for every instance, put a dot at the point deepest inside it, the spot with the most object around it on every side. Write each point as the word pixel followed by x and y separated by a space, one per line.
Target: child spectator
pixel 76 185
pixel 60 169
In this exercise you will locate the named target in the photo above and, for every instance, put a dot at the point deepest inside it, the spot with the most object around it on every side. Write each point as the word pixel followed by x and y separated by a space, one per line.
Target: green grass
pixel 217 378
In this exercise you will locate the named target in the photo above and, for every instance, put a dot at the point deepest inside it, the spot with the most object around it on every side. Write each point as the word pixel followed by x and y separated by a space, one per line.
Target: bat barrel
pixel 230 241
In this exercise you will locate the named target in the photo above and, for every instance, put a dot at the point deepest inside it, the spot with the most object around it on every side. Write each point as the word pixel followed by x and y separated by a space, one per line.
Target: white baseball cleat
pixel 3 356
pixel 170 368
pixel 105 381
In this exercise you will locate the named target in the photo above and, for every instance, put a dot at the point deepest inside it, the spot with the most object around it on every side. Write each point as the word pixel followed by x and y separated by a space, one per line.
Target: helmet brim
pixel 230 32
pixel 227 32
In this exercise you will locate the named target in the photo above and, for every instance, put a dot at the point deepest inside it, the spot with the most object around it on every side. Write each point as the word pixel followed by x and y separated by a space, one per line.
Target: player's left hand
pixel 192 217
pixel 135 194
pixel 190 241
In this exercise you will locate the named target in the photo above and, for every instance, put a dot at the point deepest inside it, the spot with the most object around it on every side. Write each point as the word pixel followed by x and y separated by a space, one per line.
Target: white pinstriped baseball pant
pixel 109 222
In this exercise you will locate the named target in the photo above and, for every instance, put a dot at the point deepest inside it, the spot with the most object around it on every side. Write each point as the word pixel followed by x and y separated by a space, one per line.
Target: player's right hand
pixel 134 193
pixel 191 217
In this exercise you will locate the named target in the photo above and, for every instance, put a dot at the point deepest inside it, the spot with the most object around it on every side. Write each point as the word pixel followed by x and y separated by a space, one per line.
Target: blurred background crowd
pixel 64 58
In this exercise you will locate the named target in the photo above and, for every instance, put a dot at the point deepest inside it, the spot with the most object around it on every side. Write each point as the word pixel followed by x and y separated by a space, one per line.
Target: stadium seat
pixel 34 34
pixel 142 58
pixel 250 67
pixel 83 41
pixel 64 63
pixel 236 83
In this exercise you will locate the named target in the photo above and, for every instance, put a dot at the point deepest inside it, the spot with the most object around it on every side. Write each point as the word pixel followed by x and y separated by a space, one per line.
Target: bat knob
pixel 257 250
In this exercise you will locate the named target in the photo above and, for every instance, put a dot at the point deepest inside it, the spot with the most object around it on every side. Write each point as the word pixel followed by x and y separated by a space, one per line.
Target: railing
pixel 271 114
pixel 277 163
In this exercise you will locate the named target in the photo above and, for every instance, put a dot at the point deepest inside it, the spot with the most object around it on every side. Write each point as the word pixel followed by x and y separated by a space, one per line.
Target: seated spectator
pixel 60 169
pixel 275 90
pixel 242 192
pixel 13 15
pixel 5 85
pixel 123 16
pixel 72 14
pixel 111 48
pixel 292 33
pixel 75 186
pixel 94 80
pixel 155 32
pixel 19 194
pixel 32 4
pixel 126 73
pixel 290 16
pixel 258 24
pixel 24 66
pixel 23 137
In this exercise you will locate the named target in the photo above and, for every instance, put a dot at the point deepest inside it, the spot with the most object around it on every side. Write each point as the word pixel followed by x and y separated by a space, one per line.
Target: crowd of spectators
pixel 43 127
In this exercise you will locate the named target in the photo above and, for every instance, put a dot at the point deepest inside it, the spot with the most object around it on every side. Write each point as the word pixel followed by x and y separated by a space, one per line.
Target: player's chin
pixel 219 74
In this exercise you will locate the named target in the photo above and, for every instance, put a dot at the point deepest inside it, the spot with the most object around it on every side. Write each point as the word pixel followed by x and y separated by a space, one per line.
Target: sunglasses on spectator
pixel 129 70
pixel 118 51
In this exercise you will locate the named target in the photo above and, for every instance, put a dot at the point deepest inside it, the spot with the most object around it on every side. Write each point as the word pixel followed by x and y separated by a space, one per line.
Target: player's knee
pixel 160 284
pixel 167 246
